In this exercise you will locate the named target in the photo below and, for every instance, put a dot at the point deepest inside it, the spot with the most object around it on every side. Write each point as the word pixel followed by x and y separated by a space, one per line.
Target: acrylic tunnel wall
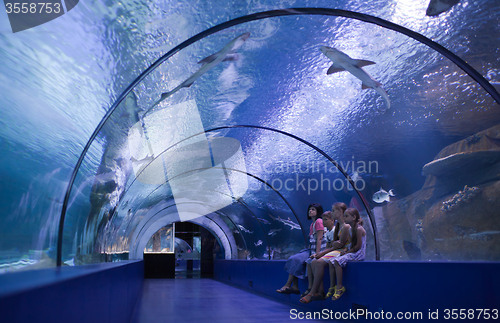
pixel 122 119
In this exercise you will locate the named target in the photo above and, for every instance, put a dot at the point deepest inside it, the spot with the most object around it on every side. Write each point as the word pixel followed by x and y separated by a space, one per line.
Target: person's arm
pixel 360 233
pixel 319 238
pixel 322 253
pixel 343 238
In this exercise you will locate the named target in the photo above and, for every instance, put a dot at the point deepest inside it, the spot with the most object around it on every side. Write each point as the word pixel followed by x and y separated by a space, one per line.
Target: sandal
pixel 305 293
pixel 288 290
pixel 306 299
pixel 284 290
pixel 331 291
pixel 309 298
pixel 338 293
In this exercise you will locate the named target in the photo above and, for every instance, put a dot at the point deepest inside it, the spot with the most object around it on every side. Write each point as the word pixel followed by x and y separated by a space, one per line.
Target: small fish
pixel 355 176
pixel 225 54
pixel 242 228
pixel 342 62
pixel 437 7
pixel 290 223
pixel 261 220
pixel 258 243
pixel 412 250
pixel 382 196
pixel 273 232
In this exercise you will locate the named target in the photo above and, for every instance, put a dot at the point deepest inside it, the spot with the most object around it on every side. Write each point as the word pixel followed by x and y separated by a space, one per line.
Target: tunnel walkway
pixel 207 300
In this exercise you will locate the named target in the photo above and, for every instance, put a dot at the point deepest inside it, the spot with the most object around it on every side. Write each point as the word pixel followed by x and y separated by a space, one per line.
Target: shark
pixel 273 232
pixel 228 53
pixel 261 220
pixel 242 228
pixel 290 223
pixel 342 62
pixel 437 7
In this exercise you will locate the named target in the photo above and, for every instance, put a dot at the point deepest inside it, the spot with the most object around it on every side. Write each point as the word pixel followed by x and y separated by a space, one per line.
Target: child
pixel 295 264
pixel 356 251
pixel 336 240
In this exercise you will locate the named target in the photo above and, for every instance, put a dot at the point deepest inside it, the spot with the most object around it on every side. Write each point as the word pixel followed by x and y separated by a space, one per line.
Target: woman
pixel 339 240
pixel 296 264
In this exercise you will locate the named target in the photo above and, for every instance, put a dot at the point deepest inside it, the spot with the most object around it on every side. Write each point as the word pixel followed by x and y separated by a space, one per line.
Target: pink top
pixel 318 225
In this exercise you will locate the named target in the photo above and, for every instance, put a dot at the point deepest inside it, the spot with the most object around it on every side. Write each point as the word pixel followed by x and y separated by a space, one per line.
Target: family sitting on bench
pixel 336 254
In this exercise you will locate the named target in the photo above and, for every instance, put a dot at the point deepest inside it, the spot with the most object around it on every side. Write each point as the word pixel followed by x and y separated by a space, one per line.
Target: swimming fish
pixel 382 196
pixel 258 243
pixel 355 176
pixel 273 232
pixel 261 220
pixel 242 228
pixel 342 62
pixel 437 7
pixel 225 54
pixel 290 223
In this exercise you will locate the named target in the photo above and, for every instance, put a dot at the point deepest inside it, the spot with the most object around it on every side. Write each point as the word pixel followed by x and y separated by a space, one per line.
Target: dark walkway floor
pixel 207 300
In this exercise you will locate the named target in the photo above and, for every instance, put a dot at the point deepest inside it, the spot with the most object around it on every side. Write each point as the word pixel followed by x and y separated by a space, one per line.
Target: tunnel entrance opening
pixel 181 250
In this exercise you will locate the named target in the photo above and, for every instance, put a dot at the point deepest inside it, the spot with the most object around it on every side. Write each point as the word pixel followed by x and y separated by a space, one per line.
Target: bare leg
pixel 340 290
pixel 289 282
pixel 338 272
pixel 310 276
pixel 317 286
pixel 295 283
pixel 331 268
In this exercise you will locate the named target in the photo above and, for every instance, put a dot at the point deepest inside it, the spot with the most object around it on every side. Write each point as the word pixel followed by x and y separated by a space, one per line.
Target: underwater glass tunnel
pixel 122 118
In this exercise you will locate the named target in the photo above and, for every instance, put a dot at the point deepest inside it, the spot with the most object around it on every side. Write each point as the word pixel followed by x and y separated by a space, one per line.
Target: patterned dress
pixel 336 253
pixel 296 264
pixel 357 256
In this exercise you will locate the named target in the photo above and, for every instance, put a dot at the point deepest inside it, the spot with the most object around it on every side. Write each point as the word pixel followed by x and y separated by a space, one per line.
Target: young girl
pixel 336 241
pixel 295 265
pixel 356 251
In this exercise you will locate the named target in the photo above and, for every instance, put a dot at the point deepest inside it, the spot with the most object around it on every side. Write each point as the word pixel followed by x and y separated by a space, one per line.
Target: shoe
pixel 306 299
pixel 312 297
pixel 284 290
pixel 331 291
pixel 305 293
pixel 338 293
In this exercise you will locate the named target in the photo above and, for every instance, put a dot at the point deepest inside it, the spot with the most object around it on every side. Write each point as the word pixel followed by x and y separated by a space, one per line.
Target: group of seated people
pixel 343 240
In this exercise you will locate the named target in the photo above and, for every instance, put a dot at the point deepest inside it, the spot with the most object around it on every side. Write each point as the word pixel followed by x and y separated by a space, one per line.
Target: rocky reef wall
pixel 456 214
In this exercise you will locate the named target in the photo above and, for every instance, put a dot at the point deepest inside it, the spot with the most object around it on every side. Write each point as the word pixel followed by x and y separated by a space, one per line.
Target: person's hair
pixel 354 227
pixel 318 207
pixel 342 207
pixel 328 214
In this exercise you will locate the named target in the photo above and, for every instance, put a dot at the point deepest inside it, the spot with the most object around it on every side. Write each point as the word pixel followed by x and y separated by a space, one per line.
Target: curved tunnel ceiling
pixel 277 79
